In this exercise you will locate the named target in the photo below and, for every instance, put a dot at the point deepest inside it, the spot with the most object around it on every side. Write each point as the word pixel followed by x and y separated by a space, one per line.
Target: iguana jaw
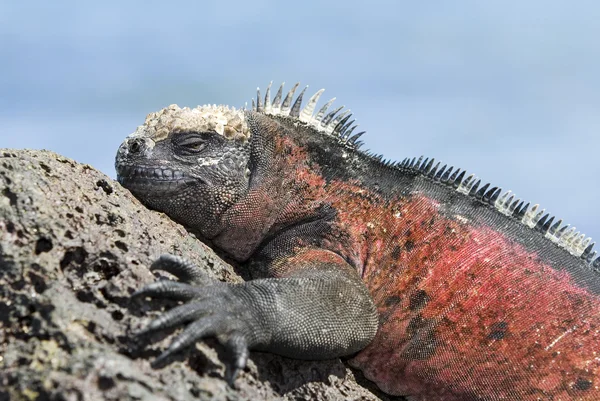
pixel 141 170
pixel 154 179
pixel 185 198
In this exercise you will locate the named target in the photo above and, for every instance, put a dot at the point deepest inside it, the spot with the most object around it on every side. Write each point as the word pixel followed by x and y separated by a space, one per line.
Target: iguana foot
pixel 214 309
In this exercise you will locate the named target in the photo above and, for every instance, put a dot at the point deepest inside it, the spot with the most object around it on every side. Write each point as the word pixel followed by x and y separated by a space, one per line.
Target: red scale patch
pixel 465 311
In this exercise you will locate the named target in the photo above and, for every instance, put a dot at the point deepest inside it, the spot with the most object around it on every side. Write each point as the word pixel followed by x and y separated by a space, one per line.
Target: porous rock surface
pixel 74 245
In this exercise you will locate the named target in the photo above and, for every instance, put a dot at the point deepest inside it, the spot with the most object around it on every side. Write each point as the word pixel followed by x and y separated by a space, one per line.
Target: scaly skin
pixel 441 294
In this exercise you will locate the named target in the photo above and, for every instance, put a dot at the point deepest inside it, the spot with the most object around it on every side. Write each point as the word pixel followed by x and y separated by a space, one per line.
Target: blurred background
pixel 509 90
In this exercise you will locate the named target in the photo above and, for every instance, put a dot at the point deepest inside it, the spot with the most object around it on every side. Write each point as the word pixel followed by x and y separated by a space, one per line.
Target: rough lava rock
pixel 74 245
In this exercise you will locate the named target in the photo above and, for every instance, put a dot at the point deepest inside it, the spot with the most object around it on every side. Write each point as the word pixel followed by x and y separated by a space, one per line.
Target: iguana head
pixel 189 163
pixel 216 168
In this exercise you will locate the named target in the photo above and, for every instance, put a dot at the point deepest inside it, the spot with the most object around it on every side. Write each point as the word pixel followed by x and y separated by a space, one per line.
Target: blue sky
pixel 508 90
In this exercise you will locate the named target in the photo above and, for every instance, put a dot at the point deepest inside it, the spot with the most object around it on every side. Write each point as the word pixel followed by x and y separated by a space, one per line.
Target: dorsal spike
pixel 327 119
pixel 465 186
pixel 335 122
pixel 470 180
pixel 587 252
pixel 502 204
pixel 277 101
pixel 287 102
pixel 555 227
pixel 440 172
pixel 339 128
pixel 453 176
pixel 592 255
pixel 446 176
pixel 355 137
pixel 522 210
pixel 427 165
pixel 417 163
pixel 268 99
pixel 530 218
pixel 431 172
pixel 516 206
pixel 295 112
pixel 259 103
pixel 501 201
pixel 562 231
pixel 473 190
pixel 459 179
pixel 539 225
pixel 488 194
pixel 546 225
pixel 510 201
pixel 479 194
pixel 349 132
pixel 576 244
pixel 253 105
pixel 321 112
pixel 344 131
pixel 584 245
pixel 494 195
pixel 307 112
pixel 567 236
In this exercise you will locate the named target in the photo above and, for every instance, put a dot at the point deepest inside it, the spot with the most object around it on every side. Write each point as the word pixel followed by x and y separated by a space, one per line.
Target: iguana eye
pixel 192 143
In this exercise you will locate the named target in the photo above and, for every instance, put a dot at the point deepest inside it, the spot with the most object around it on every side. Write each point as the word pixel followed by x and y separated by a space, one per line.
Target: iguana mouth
pixel 139 177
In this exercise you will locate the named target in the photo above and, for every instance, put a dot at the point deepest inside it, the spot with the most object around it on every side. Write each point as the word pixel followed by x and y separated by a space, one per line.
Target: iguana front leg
pixel 317 312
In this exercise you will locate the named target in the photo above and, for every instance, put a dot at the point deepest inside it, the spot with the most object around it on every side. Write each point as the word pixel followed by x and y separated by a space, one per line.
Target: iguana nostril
pixel 135 145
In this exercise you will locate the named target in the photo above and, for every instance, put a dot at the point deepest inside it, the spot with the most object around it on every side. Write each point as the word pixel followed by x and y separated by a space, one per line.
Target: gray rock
pixel 74 245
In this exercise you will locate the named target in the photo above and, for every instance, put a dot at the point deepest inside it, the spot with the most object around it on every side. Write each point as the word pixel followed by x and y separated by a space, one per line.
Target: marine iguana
pixel 440 287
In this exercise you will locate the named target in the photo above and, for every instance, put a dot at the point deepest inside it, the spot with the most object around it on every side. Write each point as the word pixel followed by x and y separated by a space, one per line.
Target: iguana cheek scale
pixel 440 288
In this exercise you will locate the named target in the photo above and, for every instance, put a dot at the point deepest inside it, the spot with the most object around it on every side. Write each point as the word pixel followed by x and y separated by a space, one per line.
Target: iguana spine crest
pixel 324 121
